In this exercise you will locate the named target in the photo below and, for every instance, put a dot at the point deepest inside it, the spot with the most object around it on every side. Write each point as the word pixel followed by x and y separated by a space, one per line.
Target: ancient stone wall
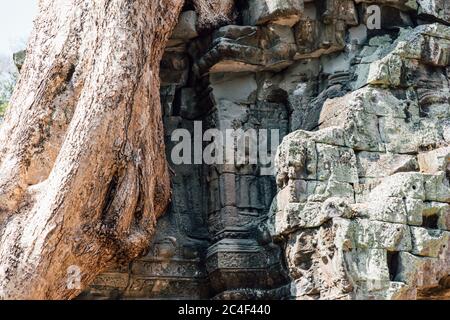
pixel 359 205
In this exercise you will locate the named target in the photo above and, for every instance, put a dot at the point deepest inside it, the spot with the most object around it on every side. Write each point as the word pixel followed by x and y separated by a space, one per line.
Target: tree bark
pixel 83 174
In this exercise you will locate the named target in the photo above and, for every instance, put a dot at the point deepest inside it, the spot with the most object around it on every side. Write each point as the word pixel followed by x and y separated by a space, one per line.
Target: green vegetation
pixel 7 83
pixel 3 107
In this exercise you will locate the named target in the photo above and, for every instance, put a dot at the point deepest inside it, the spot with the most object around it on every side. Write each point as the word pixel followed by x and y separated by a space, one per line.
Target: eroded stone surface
pixel 383 236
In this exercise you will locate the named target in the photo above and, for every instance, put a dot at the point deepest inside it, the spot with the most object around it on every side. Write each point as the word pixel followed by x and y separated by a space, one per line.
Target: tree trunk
pixel 83 174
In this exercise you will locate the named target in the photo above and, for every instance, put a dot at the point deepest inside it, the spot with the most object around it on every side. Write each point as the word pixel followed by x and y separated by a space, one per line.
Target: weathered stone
pixel 436 8
pixel 429 243
pixel 435 160
pixel 237 89
pixel 377 165
pixel 283 12
pixel 186 28
pixel 394 132
pixel 19 59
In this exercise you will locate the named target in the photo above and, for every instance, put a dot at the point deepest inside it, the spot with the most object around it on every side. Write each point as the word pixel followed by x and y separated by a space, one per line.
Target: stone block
pixel 283 12
pixel 429 243
pixel 371 234
pixel 186 28
pixel 236 88
pixel 434 161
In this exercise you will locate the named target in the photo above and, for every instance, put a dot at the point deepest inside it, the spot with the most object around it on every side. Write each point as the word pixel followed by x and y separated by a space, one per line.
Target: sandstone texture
pixel 359 205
